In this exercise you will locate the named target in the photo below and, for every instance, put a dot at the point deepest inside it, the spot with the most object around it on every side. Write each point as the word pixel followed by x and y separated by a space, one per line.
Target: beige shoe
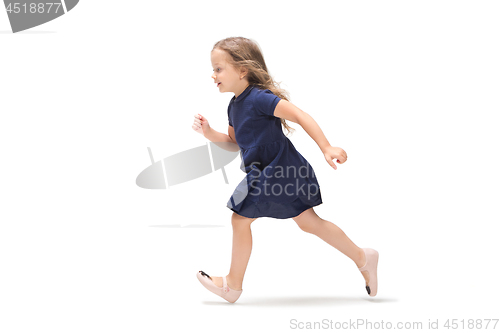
pixel 371 266
pixel 225 292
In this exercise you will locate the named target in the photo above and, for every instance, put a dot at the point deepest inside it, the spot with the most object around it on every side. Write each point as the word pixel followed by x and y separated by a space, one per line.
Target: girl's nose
pixel 213 76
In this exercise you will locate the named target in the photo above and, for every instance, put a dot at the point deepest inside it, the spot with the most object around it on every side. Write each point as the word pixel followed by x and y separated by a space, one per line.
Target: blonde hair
pixel 246 53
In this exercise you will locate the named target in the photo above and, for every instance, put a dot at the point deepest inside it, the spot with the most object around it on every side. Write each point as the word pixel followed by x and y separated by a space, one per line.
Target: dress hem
pixel 277 217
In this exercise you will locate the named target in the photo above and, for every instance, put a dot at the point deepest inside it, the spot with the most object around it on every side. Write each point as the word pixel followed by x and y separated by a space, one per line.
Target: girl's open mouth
pixel 218 84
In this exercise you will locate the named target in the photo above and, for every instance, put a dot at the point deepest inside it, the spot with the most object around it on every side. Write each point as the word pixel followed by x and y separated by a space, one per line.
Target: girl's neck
pixel 242 89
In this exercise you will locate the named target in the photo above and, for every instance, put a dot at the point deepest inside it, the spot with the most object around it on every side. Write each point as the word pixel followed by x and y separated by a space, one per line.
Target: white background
pixel 409 89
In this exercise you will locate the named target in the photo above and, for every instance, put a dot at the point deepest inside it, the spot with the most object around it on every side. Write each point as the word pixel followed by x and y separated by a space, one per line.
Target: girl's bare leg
pixel 333 235
pixel 242 247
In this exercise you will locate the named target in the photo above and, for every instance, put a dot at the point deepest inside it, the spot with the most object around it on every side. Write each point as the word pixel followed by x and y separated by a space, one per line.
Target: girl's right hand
pixel 200 124
pixel 332 153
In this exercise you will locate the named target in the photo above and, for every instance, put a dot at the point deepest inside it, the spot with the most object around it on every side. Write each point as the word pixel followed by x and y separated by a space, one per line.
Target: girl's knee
pixel 238 220
pixel 308 221
pixel 308 226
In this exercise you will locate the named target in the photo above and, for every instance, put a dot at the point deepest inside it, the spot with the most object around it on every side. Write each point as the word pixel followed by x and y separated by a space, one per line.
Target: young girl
pixel 280 183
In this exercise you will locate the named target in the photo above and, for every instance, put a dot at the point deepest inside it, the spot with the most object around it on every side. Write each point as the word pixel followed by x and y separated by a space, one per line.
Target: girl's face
pixel 226 77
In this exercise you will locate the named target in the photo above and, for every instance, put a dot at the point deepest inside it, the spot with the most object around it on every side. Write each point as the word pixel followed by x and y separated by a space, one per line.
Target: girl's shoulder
pixel 260 90
pixel 264 100
pixel 259 93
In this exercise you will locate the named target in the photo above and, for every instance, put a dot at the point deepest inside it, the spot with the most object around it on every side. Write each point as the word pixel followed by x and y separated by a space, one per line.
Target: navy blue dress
pixel 279 181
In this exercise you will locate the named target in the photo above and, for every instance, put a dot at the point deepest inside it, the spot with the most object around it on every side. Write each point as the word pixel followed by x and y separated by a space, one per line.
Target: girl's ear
pixel 243 72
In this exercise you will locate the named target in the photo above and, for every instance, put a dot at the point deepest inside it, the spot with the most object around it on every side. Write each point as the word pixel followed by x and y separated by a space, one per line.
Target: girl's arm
pixel 220 138
pixel 290 112
pixel 215 136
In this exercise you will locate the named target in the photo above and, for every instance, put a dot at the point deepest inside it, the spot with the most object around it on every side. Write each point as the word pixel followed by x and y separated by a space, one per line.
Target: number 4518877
pixel 471 324
pixel 33 8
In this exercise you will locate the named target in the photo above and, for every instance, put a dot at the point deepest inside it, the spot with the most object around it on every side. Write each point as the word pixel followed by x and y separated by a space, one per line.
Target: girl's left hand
pixel 332 153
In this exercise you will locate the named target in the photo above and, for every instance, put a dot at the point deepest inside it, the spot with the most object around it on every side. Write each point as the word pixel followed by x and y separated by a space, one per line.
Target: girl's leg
pixel 242 247
pixel 333 235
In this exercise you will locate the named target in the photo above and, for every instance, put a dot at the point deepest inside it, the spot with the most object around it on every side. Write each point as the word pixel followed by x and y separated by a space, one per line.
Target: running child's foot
pixel 360 264
pixel 217 280
pixel 368 267
pixel 225 291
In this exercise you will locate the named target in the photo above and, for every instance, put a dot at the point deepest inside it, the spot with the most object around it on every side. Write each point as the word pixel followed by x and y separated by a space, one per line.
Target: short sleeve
pixel 265 102
pixel 229 116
